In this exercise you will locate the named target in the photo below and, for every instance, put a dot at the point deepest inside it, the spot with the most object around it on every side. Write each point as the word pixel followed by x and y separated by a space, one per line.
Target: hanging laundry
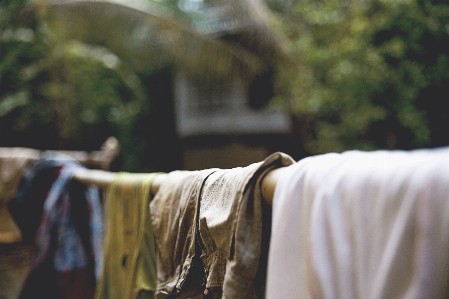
pixel 174 211
pixel 129 270
pixel 234 228
pixel 362 225
pixel 13 162
pixel 219 216
pixel 62 219
pixel 27 206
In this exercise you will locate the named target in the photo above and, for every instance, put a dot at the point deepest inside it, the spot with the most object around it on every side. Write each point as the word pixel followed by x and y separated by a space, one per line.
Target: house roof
pixel 223 35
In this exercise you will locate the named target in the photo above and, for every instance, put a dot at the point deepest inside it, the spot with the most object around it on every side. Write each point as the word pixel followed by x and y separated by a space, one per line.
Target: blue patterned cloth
pixel 57 221
pixel 61 217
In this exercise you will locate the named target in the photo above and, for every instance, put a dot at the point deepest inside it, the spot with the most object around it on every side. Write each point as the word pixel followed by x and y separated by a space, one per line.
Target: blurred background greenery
pixel 352 74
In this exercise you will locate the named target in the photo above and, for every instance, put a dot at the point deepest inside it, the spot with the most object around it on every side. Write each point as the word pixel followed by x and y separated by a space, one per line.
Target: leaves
pixel 367 71
pixel 86 66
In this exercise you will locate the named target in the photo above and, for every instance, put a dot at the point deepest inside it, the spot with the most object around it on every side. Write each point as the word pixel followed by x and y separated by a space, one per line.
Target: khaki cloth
pixel 228 231
pixel 232 222
pixel 173 214
pixel 362 225
pixel 13 162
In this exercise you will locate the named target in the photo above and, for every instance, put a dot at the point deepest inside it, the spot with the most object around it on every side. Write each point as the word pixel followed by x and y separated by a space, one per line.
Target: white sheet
pixel 362 225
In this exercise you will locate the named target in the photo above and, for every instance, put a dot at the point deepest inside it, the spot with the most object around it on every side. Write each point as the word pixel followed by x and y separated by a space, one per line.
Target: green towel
pixel 129 266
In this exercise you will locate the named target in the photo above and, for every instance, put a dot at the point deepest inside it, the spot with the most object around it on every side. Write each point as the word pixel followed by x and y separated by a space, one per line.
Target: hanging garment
pixel 219 216
pixel 129 270
pixel 62 219
pixel 174 211
pixel 235 227
pixel 362 225
pixel 13 162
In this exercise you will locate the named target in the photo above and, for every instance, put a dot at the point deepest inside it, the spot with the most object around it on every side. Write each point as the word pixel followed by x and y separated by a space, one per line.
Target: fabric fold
pixel 174 218
pixel 219 211
pixel 232 212
pixel 129 269
pixel 362 225
pixel 61 218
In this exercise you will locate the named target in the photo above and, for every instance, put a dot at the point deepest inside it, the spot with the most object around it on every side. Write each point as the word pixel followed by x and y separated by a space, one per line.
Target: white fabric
pixel 362 225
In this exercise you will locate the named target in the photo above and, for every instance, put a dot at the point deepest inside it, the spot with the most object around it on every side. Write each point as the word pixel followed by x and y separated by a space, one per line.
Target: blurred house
pixel 219 128
pixel 223 54
pixel 222 120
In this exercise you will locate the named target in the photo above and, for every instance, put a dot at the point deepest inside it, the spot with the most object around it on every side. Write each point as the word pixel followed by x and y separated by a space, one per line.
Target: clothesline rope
pixel 101 159
pixel 102 179
pixel 13 159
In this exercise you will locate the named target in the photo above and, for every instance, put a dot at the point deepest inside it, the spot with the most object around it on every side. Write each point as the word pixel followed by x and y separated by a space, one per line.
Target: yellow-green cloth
pixel 129 266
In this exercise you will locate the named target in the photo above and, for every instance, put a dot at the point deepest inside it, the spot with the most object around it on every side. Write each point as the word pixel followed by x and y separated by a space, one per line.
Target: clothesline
pixel 100 159
pixel 109 150
pixel 388 209
pixel 14 159
pixel 102 179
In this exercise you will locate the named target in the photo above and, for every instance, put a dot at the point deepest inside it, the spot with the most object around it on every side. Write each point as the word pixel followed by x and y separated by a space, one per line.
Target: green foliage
pixel 62 94
pixel 371 74
pixel 361 74
pixel 71 72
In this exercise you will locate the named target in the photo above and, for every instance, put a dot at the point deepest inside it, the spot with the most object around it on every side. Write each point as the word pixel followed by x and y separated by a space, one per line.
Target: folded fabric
pixel 234 228
pixel 216 214
pixel 27 206
pixel 129 269
pixel 62 219
pixel 362 225
pixel 13 162
pixel 174 212
pixel 74 225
